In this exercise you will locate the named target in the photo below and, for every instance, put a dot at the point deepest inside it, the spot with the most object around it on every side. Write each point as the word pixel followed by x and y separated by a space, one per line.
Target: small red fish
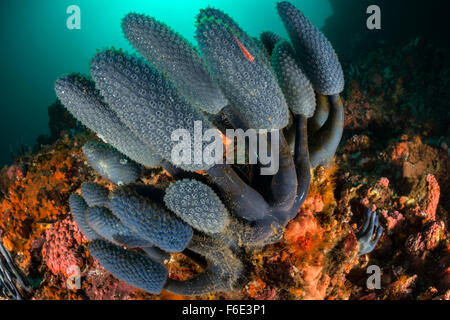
pixel 244 50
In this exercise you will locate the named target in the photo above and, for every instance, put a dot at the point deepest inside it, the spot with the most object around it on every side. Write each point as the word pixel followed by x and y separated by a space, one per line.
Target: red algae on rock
pixel 418 243
pixel 433 198
pixel 62 247
pixel 393 219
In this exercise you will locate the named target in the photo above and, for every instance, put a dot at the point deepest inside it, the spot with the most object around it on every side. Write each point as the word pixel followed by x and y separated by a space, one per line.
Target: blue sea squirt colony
pixel 231 81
